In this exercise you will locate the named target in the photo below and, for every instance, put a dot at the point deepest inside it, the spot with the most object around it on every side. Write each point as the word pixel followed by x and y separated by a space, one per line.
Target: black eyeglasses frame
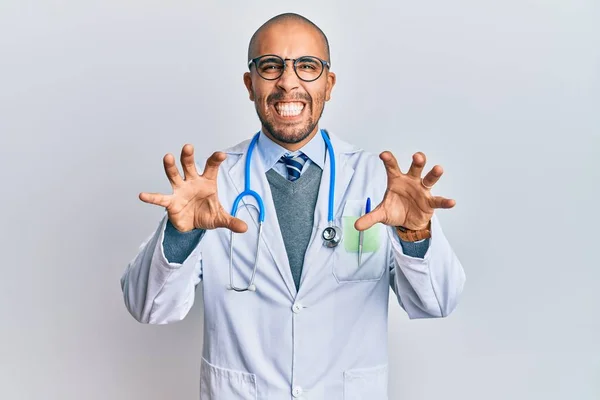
pixel 285 60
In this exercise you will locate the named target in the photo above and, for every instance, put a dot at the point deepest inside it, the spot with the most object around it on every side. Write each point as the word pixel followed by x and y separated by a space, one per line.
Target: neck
pixel 292 146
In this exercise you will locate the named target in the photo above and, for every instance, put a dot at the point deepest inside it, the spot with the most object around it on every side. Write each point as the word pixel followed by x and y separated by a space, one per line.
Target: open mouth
pixel 289 109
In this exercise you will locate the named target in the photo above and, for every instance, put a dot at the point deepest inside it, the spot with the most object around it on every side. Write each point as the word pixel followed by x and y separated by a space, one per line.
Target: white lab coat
pixel 328 341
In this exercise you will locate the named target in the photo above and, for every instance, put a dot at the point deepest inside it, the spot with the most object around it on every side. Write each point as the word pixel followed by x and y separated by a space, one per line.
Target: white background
pixel 504 95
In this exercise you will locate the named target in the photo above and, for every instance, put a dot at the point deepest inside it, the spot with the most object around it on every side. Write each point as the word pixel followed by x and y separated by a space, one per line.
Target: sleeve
pixel 428 286
pixel 414 249
pixel 179 245
pixel 159 291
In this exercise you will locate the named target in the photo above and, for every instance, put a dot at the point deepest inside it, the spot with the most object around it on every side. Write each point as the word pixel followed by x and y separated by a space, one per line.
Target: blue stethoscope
pixel 332 235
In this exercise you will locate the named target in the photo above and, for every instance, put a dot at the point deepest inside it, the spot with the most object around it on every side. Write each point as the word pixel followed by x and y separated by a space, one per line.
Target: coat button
pixel 297 308
pixel 297 391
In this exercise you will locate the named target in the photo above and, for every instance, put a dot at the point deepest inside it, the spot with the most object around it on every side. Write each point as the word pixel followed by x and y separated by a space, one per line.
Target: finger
pixel 212 165
pixel 391 165
pixel 416 167
pixel 370 219
pixel 188 163
pixel 155 198
pixel 433 176
pixel 171 170
pixel 236 225
pixel 442 202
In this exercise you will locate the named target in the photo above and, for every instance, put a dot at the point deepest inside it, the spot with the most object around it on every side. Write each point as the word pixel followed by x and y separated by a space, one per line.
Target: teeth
pixel 289 109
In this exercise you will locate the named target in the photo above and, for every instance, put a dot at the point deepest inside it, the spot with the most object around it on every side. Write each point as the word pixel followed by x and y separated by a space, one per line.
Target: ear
pixel 248 83
pixel 330 84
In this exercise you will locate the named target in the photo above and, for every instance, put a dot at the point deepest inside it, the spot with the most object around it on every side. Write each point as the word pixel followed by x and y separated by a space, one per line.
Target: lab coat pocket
pixel 219 383
pixel 345 260
pixel 366 383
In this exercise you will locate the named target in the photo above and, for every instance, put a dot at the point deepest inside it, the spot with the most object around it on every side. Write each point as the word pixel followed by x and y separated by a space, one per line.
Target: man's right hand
pixel 194 202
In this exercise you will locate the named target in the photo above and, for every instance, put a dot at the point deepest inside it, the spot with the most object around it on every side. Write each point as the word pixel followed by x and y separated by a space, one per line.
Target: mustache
pixel 279 96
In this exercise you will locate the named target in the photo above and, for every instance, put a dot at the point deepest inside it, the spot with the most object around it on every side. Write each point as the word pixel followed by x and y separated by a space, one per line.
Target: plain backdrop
pixel 505 95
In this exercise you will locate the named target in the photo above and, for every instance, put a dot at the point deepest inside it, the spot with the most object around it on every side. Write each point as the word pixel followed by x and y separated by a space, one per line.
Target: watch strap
pixel 409 235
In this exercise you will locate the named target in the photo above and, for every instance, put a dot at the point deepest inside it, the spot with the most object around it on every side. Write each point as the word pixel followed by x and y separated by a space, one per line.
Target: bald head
pixel 283 19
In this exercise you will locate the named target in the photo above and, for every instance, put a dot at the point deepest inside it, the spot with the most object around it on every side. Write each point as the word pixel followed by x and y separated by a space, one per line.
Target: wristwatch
pixel 409 235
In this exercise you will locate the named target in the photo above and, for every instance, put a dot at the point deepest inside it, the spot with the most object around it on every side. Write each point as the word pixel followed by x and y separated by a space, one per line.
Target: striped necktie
pixel 294 164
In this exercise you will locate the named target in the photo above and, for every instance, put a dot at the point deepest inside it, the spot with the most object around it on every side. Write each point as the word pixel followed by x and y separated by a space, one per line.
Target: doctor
pixel 314 323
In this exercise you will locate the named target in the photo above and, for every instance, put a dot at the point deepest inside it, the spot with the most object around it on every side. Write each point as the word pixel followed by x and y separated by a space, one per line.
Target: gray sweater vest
pixel 295 205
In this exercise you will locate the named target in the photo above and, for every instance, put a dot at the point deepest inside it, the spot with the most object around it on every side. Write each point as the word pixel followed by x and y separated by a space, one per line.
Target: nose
pixel 288 81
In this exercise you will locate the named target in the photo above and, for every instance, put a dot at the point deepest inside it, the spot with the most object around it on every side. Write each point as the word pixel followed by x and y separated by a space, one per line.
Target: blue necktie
pixel 294 165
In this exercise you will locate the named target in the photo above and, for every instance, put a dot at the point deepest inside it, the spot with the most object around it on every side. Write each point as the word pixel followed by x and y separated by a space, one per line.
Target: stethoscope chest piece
pixel 332 236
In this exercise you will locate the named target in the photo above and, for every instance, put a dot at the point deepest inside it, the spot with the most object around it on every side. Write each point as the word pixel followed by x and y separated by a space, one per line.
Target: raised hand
pixel 194 202
pixel 407 201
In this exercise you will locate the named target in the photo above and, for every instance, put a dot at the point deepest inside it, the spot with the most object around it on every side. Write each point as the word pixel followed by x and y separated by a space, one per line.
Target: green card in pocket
pixel 372 236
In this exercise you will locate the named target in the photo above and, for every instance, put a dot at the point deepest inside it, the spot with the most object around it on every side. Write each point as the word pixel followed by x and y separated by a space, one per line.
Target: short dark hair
pixel 282 18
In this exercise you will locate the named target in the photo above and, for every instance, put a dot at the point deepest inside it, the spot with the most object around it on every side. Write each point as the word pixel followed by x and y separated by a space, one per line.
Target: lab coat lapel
pixel 317 253
pixel 271 234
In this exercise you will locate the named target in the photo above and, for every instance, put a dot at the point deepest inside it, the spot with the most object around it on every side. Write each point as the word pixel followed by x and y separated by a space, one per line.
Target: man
pixel 314 323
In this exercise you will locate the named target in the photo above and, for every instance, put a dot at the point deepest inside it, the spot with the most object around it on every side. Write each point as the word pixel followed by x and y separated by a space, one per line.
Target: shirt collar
pixel 271 152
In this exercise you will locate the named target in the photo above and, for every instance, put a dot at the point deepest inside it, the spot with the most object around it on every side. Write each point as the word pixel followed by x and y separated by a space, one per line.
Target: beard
pixel 292 132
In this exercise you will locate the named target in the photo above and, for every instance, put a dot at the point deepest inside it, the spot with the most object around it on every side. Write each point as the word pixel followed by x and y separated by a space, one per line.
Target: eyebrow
pixel 269 59
pixel 307 59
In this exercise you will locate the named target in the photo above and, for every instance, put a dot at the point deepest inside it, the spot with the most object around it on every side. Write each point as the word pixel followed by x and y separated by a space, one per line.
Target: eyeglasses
pixel 271 67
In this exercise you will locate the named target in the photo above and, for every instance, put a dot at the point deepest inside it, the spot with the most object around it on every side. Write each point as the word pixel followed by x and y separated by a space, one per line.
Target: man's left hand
pixel 407 201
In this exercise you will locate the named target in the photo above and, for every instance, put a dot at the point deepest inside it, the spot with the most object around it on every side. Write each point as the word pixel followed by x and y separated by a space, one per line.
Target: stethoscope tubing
pixel 261 208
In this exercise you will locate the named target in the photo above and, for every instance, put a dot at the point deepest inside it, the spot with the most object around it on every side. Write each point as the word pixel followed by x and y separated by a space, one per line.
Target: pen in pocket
pixel 361 234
